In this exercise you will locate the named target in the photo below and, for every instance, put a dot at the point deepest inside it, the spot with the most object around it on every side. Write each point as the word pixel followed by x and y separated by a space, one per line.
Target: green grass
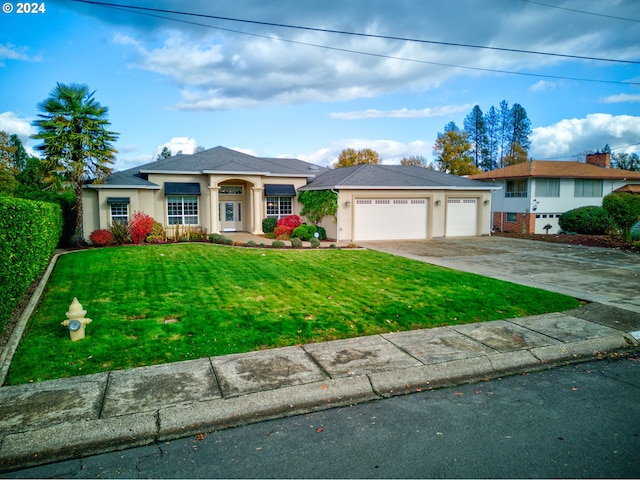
pixel 229 300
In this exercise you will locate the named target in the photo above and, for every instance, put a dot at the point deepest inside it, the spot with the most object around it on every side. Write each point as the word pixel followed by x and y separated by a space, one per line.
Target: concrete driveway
pixel 595 274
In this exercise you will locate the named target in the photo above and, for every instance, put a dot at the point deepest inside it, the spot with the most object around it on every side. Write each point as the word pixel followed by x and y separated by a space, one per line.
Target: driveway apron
pixel 602 275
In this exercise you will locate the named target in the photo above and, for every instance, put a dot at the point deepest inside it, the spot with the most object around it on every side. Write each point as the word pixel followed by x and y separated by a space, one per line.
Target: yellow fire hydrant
pixel 76 322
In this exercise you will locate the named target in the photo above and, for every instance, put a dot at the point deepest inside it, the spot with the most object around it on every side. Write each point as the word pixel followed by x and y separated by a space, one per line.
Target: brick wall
pixel 524 223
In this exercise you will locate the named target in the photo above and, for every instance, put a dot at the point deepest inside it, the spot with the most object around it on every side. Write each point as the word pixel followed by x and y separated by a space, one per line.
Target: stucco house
pixel 222 190
pixel 534 194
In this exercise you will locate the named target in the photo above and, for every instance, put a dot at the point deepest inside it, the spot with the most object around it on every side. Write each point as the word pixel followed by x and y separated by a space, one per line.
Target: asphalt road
pixel 574 421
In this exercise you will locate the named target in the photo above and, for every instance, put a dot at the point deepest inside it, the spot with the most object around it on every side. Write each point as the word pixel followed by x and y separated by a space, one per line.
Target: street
pixel 574 421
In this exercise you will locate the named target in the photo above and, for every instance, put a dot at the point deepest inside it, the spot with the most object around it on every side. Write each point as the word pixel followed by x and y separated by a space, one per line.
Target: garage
pixel 390 219
pixel 462 217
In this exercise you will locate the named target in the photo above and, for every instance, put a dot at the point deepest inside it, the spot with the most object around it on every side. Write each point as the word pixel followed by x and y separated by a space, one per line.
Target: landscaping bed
pixel 603 241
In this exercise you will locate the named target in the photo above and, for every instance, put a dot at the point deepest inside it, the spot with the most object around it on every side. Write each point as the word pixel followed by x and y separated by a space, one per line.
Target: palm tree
pixel 77 145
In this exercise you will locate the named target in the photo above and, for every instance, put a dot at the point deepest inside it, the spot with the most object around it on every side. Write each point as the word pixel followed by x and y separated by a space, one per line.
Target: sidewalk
pixel 61 419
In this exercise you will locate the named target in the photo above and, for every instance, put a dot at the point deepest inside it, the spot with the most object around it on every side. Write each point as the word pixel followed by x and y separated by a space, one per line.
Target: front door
pixel 230 216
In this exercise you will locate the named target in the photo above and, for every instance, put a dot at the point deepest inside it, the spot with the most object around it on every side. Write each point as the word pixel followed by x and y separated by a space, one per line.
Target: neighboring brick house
pixel 534 194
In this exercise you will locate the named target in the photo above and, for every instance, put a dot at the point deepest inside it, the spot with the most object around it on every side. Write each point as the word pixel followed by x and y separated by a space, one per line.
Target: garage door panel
pixel 462 217
pixel 390 219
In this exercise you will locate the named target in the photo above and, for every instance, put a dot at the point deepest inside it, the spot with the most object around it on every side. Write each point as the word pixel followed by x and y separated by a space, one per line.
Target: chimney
pixel 599 159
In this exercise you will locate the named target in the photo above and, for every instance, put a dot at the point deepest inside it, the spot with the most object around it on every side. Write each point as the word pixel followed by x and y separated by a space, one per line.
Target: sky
pixel 235 74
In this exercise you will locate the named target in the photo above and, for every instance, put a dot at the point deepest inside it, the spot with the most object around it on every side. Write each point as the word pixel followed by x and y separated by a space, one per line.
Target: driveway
pixel 595 274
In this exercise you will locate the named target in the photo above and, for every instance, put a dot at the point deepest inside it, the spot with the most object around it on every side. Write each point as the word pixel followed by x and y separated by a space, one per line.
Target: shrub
pixel 586 220
pixel 315 243
pixel 323 233
pixel 292 221
pixel 277 244
pixel 101 237
pixel 269 224
pixel 283 232
pixel 220 239
pixel 140 225
pixel 29 234
pixel 305 232
pixel 296 243
pixel 251 243
pixel 120 232
pixel 623 209
pixel 158 234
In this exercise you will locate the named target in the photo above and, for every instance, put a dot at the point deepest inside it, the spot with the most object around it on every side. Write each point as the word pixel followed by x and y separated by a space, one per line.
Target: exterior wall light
pixel 487 202
pixel 438 202
pixel 347 204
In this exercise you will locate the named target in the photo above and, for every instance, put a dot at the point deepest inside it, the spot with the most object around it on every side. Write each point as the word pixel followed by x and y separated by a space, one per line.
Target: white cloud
pixel 12 52
pixel 570 137
pixel 543 86
pixel 403 112
pixel 184 145
pixel 622 98
pixel 390 151
pixel 11 123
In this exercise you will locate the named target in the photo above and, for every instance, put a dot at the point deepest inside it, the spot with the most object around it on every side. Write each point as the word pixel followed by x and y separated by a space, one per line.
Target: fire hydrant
pixel 76 322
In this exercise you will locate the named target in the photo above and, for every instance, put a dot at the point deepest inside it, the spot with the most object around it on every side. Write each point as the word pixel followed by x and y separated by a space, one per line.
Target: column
pixel 257 210
pixel 214 222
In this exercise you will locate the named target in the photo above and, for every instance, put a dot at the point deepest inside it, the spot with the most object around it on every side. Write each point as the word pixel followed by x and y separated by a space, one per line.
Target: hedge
pixel 29 234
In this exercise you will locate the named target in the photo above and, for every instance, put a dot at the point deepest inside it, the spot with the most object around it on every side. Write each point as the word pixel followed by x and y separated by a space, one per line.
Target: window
pixel 587 188
pixel 119 212
pixel 230 189
pixel 516 188
pixel 182 210
pixel 279 207
pixel 512 217
pixel 547 187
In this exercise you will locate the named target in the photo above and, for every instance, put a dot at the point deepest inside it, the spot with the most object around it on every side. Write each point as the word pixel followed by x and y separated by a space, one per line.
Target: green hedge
pixel 29 234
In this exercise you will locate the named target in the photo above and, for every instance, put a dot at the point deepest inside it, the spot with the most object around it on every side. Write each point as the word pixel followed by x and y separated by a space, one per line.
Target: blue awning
pixel 117 200
pixel 273 190
pixel 175 188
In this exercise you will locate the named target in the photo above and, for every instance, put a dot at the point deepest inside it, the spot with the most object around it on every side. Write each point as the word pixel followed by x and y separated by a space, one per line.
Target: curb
pixel 90 437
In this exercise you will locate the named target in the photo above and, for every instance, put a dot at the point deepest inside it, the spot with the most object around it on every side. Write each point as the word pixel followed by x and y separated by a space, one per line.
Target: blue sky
pixel 249 87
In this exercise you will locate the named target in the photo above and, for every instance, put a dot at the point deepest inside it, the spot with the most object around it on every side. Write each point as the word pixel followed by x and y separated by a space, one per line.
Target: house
pixel 534 194
pixel 223 190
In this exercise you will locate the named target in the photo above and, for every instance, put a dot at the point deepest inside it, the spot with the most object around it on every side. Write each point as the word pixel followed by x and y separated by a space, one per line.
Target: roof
pixel 218 160
pixel 391 177
pixel 556 169
pixel 635 189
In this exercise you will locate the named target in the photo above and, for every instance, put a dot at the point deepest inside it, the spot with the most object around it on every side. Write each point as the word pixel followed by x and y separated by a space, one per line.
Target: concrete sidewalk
pixel 61 419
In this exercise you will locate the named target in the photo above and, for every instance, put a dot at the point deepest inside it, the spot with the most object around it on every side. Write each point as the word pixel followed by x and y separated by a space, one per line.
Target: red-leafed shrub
pixel 101 237
pixel 283 232
pixel 292 221
pixel 140 225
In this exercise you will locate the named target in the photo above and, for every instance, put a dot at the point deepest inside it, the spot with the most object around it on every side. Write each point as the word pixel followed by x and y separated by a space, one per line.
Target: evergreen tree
pixel 519 134
pixel 490 154
pixel 165 153
pixel 475 126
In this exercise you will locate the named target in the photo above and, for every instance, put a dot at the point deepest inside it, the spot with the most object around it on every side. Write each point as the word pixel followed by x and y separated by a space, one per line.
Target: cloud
pixel 11 52
pixel 622 98
pixel 543 86
pixel 222 64
pixel 390 151
pixel 571 137
pixel 177 145
pixel 403 113
pixel 13 124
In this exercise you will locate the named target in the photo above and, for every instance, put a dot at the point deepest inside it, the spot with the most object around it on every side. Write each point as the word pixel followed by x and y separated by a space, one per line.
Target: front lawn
pixel 166 303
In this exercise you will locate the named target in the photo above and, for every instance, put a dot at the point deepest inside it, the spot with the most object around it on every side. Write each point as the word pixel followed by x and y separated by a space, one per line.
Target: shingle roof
pixel 221 159
pixel 556 169
pixel 218 159
pixel 390 176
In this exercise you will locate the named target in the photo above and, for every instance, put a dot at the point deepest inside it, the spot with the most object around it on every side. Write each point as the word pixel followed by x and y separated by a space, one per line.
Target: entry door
pixel 230 216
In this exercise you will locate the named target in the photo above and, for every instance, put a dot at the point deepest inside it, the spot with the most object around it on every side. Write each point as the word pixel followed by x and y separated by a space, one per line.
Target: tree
pixel 199 149
pixel 20 155
pixel 416 161
pixel 626 161
pixel 476 128
pixel 350 157
pixel 504 116
pixel 165 153
pixel 518 135
pixel 624 210
pixel 490 155
pixel 76 143
pixel 453 152
pixel 7 152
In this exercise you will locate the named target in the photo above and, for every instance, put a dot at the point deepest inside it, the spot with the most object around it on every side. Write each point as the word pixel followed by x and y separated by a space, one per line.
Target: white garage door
pixel 390 219
pixel 462 217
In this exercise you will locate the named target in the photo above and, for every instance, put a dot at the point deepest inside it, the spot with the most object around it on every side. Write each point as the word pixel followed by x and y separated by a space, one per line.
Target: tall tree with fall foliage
pixel 452 152
pixel 350 157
